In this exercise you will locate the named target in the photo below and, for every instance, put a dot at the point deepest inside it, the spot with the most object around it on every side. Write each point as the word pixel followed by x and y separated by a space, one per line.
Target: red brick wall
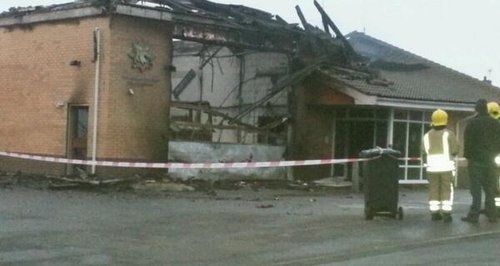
pixel 135 127
pixel 313 125
pixel 36 75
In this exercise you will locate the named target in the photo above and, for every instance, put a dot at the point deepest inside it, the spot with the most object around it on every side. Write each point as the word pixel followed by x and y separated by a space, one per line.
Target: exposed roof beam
pixel 213 31
pixel 303 20
pixel 283 83
pixel 328 21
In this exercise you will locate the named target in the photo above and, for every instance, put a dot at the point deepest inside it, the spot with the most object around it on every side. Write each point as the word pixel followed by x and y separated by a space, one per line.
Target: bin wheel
pixel 368 214
pixel 400 213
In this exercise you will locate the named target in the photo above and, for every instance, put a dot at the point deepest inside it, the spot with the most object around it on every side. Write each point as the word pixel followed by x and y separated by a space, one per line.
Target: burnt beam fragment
pixel 186 80
pixel 328 21
pixel 263 40
pixel 303 20
pixel 283 83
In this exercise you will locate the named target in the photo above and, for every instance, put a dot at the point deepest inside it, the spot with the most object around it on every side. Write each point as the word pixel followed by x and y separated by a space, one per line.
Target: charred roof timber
pixel 209 23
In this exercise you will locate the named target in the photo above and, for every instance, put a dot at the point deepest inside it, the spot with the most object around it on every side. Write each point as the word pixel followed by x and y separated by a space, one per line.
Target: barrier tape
pixel 174 165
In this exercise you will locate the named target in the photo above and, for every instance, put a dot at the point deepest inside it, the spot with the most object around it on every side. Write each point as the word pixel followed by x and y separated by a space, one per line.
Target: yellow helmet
pixel 494 110
pixel 439 118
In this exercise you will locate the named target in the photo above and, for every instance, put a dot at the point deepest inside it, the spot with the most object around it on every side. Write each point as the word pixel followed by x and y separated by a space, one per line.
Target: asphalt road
pixel 482 251
pixel 244 227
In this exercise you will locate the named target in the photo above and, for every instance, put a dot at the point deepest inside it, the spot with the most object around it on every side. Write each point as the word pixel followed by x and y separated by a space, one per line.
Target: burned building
pixel 105 80
pixel 197 81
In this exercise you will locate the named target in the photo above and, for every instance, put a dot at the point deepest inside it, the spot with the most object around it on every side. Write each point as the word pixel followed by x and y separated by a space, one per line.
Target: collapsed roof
pixel 203 21
pixel 392 74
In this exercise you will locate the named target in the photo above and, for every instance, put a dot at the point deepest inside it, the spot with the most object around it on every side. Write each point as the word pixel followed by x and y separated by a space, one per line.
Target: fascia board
pixel 365 99
pixel 359 97
pixel 426 105
pixel 169 16
pixel 143 13
pixel 50 16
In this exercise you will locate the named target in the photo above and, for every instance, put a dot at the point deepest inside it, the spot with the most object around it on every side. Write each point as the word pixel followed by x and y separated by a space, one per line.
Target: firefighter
pixel 481 146
pixel 494 111
pixel 439 146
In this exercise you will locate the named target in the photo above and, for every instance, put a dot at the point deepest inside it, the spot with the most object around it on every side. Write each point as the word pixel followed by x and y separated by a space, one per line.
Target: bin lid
pixel 370 153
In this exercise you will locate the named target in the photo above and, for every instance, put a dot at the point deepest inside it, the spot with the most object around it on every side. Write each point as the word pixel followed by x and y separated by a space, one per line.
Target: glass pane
pixel 81 122
pixel 401 173
pixel 382 113
pixel 414 174
pixel 399 137
pixel 340 113
pixel 400 114
pixel 381 137
pixel 340 140
pixel 427 117
pixel 361 137
pixel 415 162
pixel 340 147
pixel 415 139
pixel 416 116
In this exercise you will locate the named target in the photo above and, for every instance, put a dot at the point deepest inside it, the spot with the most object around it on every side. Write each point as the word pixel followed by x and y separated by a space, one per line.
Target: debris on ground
pixel 264 206
pixel 57 182
pixel 162 186
pixel 161 183
pixel 338 182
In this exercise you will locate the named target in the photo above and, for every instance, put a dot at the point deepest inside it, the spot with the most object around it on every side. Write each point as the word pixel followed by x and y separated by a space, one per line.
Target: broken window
pixel 191 125
pixel 274 130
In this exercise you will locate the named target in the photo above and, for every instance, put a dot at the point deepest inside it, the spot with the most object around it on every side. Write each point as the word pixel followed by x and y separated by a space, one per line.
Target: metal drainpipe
pixel 97 35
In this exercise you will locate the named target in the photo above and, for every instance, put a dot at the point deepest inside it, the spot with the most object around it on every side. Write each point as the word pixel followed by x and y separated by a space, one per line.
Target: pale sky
pixel 461 34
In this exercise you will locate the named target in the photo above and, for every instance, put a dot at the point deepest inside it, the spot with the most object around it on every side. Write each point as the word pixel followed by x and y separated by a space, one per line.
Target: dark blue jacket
pixel 482 137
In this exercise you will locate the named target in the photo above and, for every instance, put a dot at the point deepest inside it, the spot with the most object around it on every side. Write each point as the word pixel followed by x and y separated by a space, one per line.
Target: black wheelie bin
pixel 380 182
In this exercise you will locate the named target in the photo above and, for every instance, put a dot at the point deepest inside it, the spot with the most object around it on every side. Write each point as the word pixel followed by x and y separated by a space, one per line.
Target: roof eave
pixel 361 98
pixel 423 104
pixel 51 16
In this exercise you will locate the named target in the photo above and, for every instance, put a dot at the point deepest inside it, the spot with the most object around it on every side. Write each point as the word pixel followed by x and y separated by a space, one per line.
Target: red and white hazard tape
pixel 172 165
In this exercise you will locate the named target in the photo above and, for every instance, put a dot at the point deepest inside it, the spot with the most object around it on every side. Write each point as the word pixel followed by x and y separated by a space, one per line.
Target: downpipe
pixel 97 49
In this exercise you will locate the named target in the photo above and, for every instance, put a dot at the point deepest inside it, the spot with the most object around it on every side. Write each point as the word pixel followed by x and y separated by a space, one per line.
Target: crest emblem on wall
pixel 142 56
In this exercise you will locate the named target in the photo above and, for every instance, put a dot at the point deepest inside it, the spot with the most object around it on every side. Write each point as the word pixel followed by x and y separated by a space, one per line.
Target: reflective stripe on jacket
pixel 438 157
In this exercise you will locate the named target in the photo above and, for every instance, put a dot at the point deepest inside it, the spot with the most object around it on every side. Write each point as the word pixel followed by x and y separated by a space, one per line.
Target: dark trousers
pixel 482 177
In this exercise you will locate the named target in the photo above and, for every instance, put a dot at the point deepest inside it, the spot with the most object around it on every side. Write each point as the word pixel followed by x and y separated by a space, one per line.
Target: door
pixel 78 128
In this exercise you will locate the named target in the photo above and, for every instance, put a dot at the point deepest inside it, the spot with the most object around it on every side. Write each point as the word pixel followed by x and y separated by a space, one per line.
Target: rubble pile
pixel 153 185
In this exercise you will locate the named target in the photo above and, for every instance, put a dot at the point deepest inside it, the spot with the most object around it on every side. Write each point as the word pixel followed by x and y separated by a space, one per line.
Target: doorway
pixel 77 134
pixel 357 129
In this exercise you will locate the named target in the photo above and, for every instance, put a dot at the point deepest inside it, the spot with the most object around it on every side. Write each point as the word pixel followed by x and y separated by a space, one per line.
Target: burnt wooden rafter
pixel 248 28
pixel 210 57
pixel 264 40
pixel 205 107
pixel 305 24
pixel 283 83
pixel 328 21
pixel 230 25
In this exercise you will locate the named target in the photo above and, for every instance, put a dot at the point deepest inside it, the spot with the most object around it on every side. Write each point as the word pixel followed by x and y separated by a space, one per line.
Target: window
pixel 408 130
pixel 363 128
pixel 273 130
